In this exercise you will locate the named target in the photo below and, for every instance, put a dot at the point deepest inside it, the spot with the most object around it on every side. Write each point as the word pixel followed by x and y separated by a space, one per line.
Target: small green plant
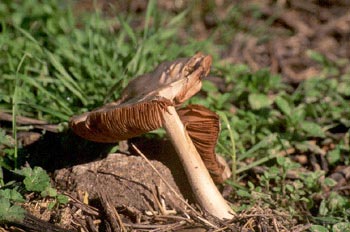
pixel 6 152
pixel 35 180
pixel 298 194
pixel 11 195
pixel 10 212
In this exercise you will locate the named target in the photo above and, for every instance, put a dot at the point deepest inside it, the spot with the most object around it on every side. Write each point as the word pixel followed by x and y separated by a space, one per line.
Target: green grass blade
pixel 178 18
pixel 150 10
pixel 262 144
pixel 55 97
pixel 233 146
pixel 15 100
pixel 27 35
pixel 258 162
pixel 66 79
pixel 47 110
pixel 129 31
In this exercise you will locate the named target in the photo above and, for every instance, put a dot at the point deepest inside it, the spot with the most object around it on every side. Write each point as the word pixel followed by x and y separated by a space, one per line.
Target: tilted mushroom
pixel 148 103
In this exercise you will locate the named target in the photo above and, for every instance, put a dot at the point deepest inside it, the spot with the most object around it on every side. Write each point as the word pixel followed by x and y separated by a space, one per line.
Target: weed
pixel 10 212
pixel 35 180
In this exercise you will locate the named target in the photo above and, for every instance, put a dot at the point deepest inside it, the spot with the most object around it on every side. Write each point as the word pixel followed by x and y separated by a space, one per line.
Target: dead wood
pixel 40 124
pixel 32 223
pixel 111 213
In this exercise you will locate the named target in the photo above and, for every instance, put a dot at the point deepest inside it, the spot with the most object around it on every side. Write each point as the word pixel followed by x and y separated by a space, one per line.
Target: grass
pixel 54 65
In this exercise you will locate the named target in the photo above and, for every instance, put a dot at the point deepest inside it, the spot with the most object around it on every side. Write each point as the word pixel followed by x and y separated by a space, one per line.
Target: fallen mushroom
pixel 148 103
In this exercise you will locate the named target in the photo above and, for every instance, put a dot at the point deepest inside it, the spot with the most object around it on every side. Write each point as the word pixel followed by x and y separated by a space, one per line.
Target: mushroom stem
pixel 198 176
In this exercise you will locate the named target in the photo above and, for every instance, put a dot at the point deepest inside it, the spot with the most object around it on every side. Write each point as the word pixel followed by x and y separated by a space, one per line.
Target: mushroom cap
pixel 203 127
pixel 191 70
pixel 113 123
pixel 143 101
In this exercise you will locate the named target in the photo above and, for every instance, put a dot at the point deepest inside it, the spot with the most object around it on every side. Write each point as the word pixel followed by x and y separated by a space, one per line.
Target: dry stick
pixel 30 121
pixel 172 189
pixel 90 224
pixel 32 223
pixel 153 212
pixel 149 226
pixel 84 207
pixel 21 119
pixel 221 229
pixel 275 225
pixel 173 217
pixel 161 209
pixel 78 222
pixel 170 227
pixel 164 180
pixel 161 201
pixel 119 219
pixel 110 212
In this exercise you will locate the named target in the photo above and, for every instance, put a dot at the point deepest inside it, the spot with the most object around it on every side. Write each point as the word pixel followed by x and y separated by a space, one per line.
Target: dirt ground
pixel 296 27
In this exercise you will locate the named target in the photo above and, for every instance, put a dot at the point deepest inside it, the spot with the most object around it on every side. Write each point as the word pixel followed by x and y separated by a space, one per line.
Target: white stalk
pixel 203 187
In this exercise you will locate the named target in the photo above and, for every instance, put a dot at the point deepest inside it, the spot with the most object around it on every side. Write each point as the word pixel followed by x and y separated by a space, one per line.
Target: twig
pixel 90 224
pixel 119 219
pixel 79 222
pixel 173 190
pixel 110 211
pixel 274 222
pixel 161 209
pixel 30 121
pixel 301 228
pixel 173 217
pixel 84 207
pixel 221 229
pixel 163 179
pixel 148 226
pixel 32 223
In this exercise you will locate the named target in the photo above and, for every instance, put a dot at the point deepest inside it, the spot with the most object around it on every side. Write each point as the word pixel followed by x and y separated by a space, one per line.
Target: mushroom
pixel 148 103
pixel 203 127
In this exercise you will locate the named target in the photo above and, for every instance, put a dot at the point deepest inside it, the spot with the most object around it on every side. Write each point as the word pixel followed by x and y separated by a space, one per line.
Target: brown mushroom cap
pixel 192 69
pixel 143 101
pixel 112 123
pixel 203 127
